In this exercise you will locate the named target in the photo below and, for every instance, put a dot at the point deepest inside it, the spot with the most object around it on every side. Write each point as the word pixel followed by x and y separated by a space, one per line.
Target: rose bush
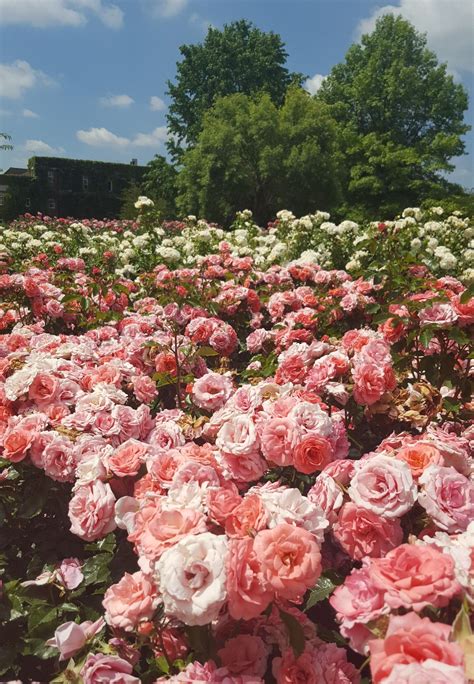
pixel 236 460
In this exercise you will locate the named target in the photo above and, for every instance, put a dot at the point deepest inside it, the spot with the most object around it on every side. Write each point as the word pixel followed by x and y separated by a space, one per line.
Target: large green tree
pixel 159 183
pixel 253 154
pixel 240 58
pixel 403 115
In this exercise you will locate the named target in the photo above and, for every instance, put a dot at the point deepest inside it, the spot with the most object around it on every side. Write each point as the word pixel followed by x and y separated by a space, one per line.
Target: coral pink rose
pixel 157 529
pixel 290 558
pixel 107 669
pixel 244 469
pixel 91 511
pixel 16 444
pixel 419 456
pixel 415 576
pixel 222 501
pixel 211 391
pixel 245 654
pixel 311 454
pixel 412 639
pixel 363 533
pixel 278 438
pixel 44 388
pixel 128 458
pixel 371 382
pixel 130 601
pixel 248 592
pixel 249 517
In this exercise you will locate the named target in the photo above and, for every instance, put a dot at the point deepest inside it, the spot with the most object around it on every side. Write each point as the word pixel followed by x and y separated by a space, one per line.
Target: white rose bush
pixel 237 456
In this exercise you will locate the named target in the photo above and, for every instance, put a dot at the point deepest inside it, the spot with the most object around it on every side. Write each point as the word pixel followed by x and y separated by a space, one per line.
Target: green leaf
pixel 425 336
pixel 321 591
pixel 163 665
pixel 295 632
pixel 207 351
pixel 96 569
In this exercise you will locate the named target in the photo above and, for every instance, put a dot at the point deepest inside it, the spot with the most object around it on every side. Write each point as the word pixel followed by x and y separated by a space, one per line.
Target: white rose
pixel 288 505
pixel 192 578
pixel 312 417
pixel 237 436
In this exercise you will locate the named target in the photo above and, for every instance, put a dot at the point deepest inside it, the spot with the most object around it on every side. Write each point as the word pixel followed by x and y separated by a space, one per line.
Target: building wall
pixel 70 187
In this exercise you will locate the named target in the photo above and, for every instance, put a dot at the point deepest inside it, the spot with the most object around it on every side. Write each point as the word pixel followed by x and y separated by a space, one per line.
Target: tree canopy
pixel 240 58
pixel 253 154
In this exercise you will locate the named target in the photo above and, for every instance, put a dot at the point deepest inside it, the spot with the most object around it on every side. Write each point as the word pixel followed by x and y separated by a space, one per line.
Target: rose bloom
pixel 249 517
pixel 222 501
pixel 44 388
pixel 448 498
pixel 384 486
pixel 372 381
pixel 192 578
pixel 130 601
pixel 245 655
pixel 311 454
pixel 91 511
pixel 278 438
pixel 290 558
pixel 144 388
pixel 243 469
pixel 428 672
pixel 238 436
pixel 318 664
pixel 412 639
pixel 128 458
pixel 328 495
pixel 440 315
pixel 58 459
pixel 211 391
pixel 363 533
pixel 157 529
pixel 16 444
pixel 105 669
pixel 248 591
pixel 419 456
pixel 69 573
pixel 415 576
pixel 69 638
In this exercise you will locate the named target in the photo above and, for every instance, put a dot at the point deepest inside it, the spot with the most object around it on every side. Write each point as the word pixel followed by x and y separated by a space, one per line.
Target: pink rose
pixel 363 533
pixel 290 558
pixel 58 459
pixel 102 669
pixel 69 573
pixel 16 444
pixel 69 638
pixel 211 391
pixel 248 592
pixel 279 437
pixel 419 456
pixel 328 495
pixel 312 453
pixel 249 517
pixel 412 639
pixel 318 664
pixel 371 382
pixel 439 315
pixel 415 576
pixel 128 458
pixel 384 486
pixel 44 388
pixel 91 511
pixel 144 388
pixel 245 654
pixel 448 498
pixel 428 672
pixel 130 601
pixel 238 436
pixel 224 339
pixel 221 502
pixel 358 600
pixel 244 469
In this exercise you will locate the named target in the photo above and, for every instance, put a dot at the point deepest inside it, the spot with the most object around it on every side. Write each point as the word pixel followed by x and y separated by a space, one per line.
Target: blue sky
pixel 77 77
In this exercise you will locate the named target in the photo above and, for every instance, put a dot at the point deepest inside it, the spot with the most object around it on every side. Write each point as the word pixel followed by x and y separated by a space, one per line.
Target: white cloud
pixel 28 114
pixel 195 19
pixel 120 101
pixel 313 84
pixel 168 8
pixel 19 76
pixel 40 147
pixel 42 13
pixel 101 137
pixel 447 23
pixel 156 137
pixel 157 104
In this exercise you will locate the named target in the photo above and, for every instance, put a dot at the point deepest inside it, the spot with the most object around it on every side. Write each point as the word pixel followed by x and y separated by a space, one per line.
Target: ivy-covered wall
pixel 71 187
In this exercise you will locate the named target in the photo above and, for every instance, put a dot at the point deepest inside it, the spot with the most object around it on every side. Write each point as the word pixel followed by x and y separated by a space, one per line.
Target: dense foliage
pixel 225 458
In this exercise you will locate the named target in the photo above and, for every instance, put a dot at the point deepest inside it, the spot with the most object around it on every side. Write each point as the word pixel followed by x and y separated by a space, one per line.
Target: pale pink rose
pixel 238 436
pixel 328 495
pixel 448 498
pixel 130 422
pixel 58 459
pixel 144 388
pixel 91 511
pixel 211 391
pixel 193 471
pixel 312 418
pixel 192 578
pixel 384 486
pixel 288 505
pixel 44 389
pixel 278 438
pixel 107 669
pixel 428 672
pixel 375 351
pixel 245 655
pixel 221 502
pixel 249 517
pixel 127 458
pixel 54 308
pixel 257 339
pixel 439 315
pixel 415 576
pixel 156 529
pixel 248 591
pixel 363 533
pixel 341 470
pixel 105 424
pixel 70 637
pixel 371 381
pixel 412 639
pixel 245 468
pixel 290 558
pixel 163 466
pixel 69 573
pixel 166 435
pixel 125 509
pixel 130 601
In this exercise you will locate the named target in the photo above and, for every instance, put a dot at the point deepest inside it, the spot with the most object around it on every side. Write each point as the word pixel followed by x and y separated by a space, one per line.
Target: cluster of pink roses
pixel 236 484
